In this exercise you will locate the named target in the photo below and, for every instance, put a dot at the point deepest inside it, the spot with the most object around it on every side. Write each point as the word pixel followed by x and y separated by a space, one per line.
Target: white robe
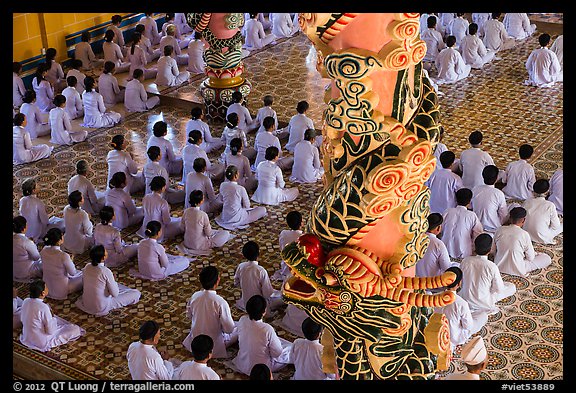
pixel 80 76
pixel 558 48
pixel 472 163
pixel 209 143
pixel 230 133
pixel 93 200
pixel 44 94
pixel 489 204
pixel 292 320
pixel 23 151
pixel 150 29
pixel 78 236
pixel 210 314
pixel 18 90
pixel 495 36
pixel 445 19
pixel 113 53
pixel 139 59
pixel 307 167
pixel 543 68
pixel 37 122
pixel 62 132
pixel 451 67
pixel 256 38
pixel 34 211
pixel 59 273
pixel 136 99
pixel 108 87
pixel 263 141
pixel 271 184
pixel 121 161
pixel 518 25
pixel 118 252
pixel 436 259
pixel 458 27
pixel 95 115
pixel 459 229
pixel 196 63
pixel 146 363
pixel 474 52
pixel 519 177
pixel 181 59
pixel 118 35
pixel 153 169
pixel 16 313
pixel 556 195
pixel 283 26
pixel 155 264
pixel 434 43
pixel 199 181
pixel 285 237
pixel 43 331
pixel 83 51
pixel 168 73
pixel 461 321
pixel 193 371
pixel 264 112
pixel 74 106
pixel 169 160
pixel 296 127
pixel 150 54
pixel 125 211
pixel 259 343
pixel 542 222
pixel 245 121
pixel 480 18
pixel 191 152
pixel 101 293
pixel 482 284
pixel 515 253
pixel 26 261
pixel 157 208
pixel 443 184
pixel 182 23
pixel 246 178
pixel 253 279
pixel 236 211
pixel 199 237
pixel 307 358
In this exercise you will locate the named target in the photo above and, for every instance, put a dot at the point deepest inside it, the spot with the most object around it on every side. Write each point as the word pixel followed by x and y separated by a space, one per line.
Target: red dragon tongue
pixel 313 247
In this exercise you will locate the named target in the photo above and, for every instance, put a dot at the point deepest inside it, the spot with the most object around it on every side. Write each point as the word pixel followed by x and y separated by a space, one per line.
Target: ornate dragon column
pixel 354 268
pixel 223 57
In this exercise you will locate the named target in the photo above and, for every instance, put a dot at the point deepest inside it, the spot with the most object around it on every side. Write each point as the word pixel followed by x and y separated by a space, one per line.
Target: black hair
pixel 541 186
pixel 160 128
pixel 76 64
pixel 237 96
pixel 309 134
pixel 475 137
pixel 36 288
pixel 28 185
pixel 271 153
pixel 195 197
pixel 472 28
pixel 434 221
pixel 29 96
pixel 268 100
pixel 157 183
pixel 16 66
pixel 74 199
pixel 153 228
pixel 109 66
pixel 19 118
pixel 148 330
pixel 168 49
pixel 199 164
pixel 252 16
pixel 230 172
pixel 544 39
pixel 311 329
pixel 294 219
pixel 450 41
pixel 169 16
pixel 53 236
pixel 197 35
pixel 50 55
pixel 496 15
pixel 72 80
pixel 137 73
pixel 194 136
pixel 202 345
pixel 268 122
pixel 136 37
pixel 525 151
pixel 118 180
pixel 302 106
pixel 490 174
pixel 251 250
pixel 517 213
pixel 260 372
pixel 106 214
pixel 116 19
pixel 463 196
pixel 42 67
pixel 232 120
pixel 458 272
pixel 431 22
pixel 235 146
pixel 208 276
pixel 97 254
pixel 255 307
pixel 139 28
pixel 89 83
pixel 59 99
pixel 117 141
pixel 109 35
pixel 153 152
pixel 447 159
pixel 85 36
pixel 483 244
pixel 196 112
pixel 18 224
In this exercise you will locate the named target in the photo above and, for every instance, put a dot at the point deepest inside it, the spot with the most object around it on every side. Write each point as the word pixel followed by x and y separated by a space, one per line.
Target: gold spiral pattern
pixel 406 29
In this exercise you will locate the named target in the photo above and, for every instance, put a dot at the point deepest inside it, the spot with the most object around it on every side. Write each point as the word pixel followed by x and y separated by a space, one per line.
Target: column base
pixel 218 99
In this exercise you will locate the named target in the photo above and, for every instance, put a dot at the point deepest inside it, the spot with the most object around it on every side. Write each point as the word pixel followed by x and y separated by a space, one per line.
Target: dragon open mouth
pixel 296 287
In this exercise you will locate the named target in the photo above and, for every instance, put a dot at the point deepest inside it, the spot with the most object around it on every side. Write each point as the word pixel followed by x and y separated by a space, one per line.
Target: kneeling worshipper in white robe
pixel 236 158
pixel 475 358
pixel 245 121
pixel 473 50
pixel 23 149
pixel 271 183
pixel 558 48
pixel 436 259
pixel 515 253
pixel 135 96
pixel 433 39
pixel 283 26
pixel 210 314
pixel 157 208
pixel 145 362
pixel 37 122
pixel 197 370
pixel 120 160
pixel 519 175
pixel 307 167
pixel 473 160
pixel 443 184
pixel 199 237
pixel 236 210
pixel 542 221
pixel 482 284
pixel 495 36
pixel 62 132
pixel 287 236
pixel 168 159
pixel 170 40
pixel 256 38
pixel 34 211
pixel 41 330
pixel 113 52
pixel 194 150
pixel 556 195
pixel 298 125
pixel 74 106
pixel 265 139
pixel 462 322
pixel 306 354
pixel 101 293
pixel 117 252
pixel 168 72
pixel 108 86
pixel 95 115
pixel 195 51
pixel 258 341
pixel 209 143
pixel 518 25
pixel 153 262
pixel 78 236
pixel 26 262
pixel 232 131
pixel 16 309
pixel 93 200
pixel 488 202
pixel 543 66
pixel 197 180
pixel 58 270
pixel 480 18
pixel 292 320
pixel 458 27
pixel 152 169
pixel 450 64
pixel 125 211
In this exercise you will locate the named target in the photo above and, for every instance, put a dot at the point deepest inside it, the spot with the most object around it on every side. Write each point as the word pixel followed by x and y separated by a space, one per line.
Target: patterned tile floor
pixel 524 340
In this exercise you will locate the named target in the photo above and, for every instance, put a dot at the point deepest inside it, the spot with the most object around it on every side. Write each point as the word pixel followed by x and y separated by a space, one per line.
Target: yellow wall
pixel 28 33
